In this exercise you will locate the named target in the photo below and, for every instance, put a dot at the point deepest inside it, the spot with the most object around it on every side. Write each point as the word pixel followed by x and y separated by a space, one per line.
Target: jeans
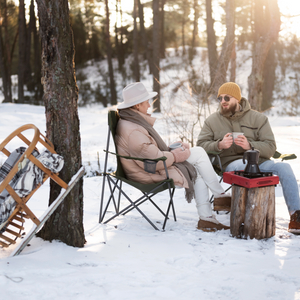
pixel 286 177
pixel 206 179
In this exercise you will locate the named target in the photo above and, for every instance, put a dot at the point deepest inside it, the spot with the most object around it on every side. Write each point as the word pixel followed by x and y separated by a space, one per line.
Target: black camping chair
pixel 117 178
pixel 217 165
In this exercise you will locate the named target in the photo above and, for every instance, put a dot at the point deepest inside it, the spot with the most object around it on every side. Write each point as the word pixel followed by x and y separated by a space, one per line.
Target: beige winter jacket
pixel 134 140
pixel 253 124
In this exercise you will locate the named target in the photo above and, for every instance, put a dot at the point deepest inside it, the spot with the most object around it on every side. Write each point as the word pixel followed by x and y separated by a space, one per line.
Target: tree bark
pixel 37 62
pixel 233 64
pixel 227 46
pixel 269 79
pixel 147 51
pixel 162 30
pixel 27 72
pixel 156 58
pixel 22 49
pixel 136 43
pixel 6 56
pixel 211 41
pixel 252 212
pixel 60 97
pixel 119 37
pixel 195 29
pixel 113 93
pixel 267 27
pixel 3 68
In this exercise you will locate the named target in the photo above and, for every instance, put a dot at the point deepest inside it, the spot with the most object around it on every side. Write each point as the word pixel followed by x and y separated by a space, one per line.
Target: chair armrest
pixel 148 165
pixel 216 162
pixel 278 155
pixel 163 158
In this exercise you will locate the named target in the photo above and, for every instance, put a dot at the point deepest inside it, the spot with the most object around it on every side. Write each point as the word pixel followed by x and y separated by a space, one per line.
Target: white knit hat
pixel 135 93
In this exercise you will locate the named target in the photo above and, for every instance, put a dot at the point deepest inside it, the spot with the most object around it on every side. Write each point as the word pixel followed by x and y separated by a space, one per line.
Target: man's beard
pixel 229 109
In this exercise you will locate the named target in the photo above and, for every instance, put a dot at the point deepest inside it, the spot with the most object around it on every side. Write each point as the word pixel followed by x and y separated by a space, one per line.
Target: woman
pixel 189 168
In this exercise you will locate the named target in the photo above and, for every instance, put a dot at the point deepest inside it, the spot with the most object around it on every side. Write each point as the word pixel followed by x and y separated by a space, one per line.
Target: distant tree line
pixel 102 30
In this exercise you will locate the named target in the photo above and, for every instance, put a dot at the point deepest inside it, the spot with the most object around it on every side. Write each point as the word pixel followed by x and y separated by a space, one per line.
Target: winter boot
pixel 294 226
pixel 211 224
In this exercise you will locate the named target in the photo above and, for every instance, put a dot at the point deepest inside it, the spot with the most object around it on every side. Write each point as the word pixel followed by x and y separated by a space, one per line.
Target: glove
pixel 180 154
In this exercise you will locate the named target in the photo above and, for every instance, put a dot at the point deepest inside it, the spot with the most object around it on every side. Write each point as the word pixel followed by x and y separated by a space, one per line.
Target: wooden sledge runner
pixel 13 226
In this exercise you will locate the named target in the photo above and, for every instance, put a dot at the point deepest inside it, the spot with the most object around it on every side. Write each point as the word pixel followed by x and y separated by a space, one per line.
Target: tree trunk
pixel 37 62
pixel 119 37
pixel 267 26
pixel 6 56
pixel 224 59
pixel 233 64
pixel 22 49
pixel 3 67
pixel 183 36
pixel 61 96
pixel 136 43
pixel 27 72
pixel 252 212
pixel 147 50
pixel 269 79
pixel 195 29
pixel 113 93
pixel 211 42
pixel 156 47
pixel 162 30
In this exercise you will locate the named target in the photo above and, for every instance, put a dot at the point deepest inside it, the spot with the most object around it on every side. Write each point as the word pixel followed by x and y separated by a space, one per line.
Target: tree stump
pixel 252 212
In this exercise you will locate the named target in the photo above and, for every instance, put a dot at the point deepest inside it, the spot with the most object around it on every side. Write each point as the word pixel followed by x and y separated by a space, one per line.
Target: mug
pixel 236 134
pixel 174 146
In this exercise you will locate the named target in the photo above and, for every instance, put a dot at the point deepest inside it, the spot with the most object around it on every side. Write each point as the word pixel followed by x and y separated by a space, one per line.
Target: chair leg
pixel 147 197
pixel 102 197
pixel 133 203
pixel 111 198
pixel 171 203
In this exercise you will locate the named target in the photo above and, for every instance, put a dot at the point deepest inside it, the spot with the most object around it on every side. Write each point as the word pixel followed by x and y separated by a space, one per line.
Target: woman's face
pixel 143 107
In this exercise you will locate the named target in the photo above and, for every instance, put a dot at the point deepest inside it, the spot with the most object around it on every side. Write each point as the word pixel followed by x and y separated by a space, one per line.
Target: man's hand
pixel 226 141
pixel 242 141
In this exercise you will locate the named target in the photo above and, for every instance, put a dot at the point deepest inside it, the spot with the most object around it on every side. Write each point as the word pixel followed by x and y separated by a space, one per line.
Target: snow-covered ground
pixel 128 259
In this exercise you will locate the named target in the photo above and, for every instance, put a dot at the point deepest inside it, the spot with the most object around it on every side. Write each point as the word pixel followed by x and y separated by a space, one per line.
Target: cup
pixel 174 146
pixel 236 134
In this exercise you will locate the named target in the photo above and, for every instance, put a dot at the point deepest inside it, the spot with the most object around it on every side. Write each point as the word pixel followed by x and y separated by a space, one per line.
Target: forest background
pixel 131 36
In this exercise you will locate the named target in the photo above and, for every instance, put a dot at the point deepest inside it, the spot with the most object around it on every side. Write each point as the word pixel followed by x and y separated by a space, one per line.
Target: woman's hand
pixel 181 154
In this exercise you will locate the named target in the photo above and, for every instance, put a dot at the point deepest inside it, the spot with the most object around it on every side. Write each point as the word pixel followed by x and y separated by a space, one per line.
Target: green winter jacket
pixel 253 124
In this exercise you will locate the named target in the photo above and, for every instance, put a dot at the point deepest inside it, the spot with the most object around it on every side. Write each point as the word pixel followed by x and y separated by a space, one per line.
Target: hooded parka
pixel 253 124
pixel 134 140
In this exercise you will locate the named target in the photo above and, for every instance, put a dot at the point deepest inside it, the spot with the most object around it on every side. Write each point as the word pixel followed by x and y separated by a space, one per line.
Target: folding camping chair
pixel 10 229
pixel 117 178
pixel 217 165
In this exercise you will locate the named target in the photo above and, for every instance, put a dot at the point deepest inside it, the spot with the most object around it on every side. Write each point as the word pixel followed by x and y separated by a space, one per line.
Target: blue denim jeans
pixel 286 177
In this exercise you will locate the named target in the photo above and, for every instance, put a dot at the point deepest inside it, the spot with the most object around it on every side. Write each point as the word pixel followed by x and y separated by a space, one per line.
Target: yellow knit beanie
pixel 232 89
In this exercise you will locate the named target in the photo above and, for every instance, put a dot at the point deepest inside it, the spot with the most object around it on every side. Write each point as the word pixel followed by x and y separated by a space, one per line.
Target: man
pixel 235 115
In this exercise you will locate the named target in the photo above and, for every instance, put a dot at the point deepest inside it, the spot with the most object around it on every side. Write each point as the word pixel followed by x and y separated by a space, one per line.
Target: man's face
pixel 228 106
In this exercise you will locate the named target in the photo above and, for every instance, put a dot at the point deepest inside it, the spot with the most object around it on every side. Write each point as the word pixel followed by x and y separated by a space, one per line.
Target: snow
pixel 127 258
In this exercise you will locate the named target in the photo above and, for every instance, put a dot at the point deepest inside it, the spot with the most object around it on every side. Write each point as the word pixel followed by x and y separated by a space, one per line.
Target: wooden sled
pixel 13 226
